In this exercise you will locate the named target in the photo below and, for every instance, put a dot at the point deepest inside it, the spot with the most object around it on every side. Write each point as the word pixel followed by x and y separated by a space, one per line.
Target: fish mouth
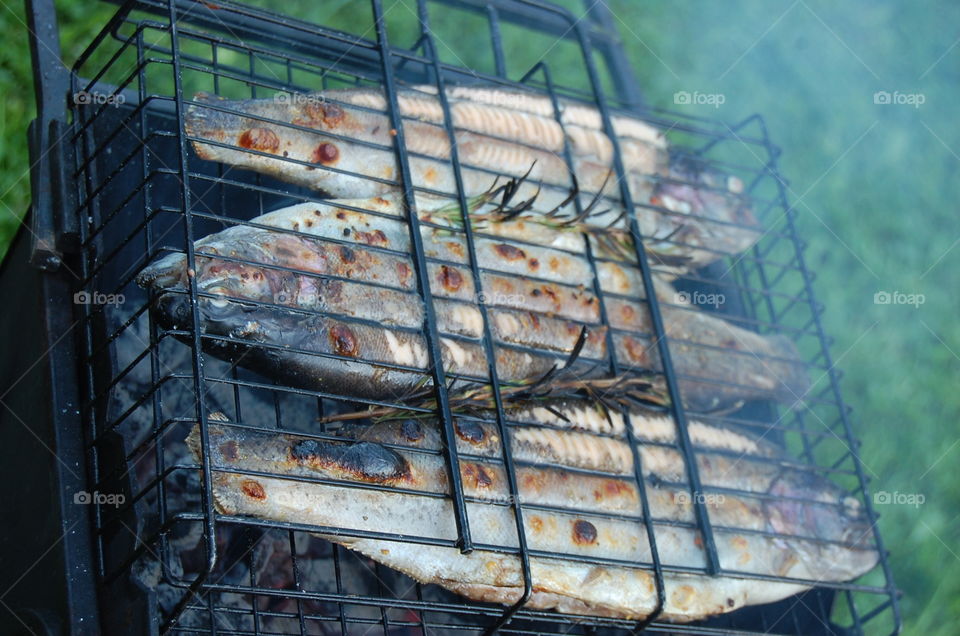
pixel 173 311
pixel 218 316
pixel 172 307
pixel 163 274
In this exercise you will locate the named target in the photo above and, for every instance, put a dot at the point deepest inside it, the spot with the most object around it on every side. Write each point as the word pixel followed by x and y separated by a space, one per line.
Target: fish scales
pixel 572 113
pixel 526 116
pixel 293 251
pixel 694 203
pixel 726 459
pixel 482 156
pixel 534 123
pixel 561 498
pixel 568 513
pixel 586 417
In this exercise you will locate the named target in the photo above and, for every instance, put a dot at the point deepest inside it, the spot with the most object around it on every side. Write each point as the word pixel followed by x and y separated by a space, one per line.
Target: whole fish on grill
pixel 323 296
pixel 341 142
pixel 770 516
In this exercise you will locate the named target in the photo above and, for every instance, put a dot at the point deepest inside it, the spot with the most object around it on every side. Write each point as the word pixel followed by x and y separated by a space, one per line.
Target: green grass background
pixel 876 187
pixel 879 187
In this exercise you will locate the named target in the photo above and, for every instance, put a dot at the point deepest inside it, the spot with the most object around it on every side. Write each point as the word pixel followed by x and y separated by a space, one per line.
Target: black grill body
pixel 113 394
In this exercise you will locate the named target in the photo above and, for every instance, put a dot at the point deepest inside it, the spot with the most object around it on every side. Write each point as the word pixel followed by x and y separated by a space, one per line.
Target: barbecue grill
pixel 122 519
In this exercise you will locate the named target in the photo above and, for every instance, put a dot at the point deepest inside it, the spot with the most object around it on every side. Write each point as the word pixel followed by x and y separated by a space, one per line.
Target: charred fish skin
pixel 568 514
pixel 347 152
pixel 315 285
pixel 352 330
pixel 334 143
pixel 336 356
pixel 790 500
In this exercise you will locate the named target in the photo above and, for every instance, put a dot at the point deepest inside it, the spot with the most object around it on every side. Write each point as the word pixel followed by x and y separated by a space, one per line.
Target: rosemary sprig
pixel 616 242
pixel 559 383
pixel 626 390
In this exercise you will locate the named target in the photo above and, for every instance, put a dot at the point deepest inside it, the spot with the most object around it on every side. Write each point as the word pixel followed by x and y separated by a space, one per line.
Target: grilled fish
pixel 770 518
pixel 323 296
pixel 340 142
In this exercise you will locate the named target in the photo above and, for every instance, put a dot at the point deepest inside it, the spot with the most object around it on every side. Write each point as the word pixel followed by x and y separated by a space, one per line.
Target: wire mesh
pixel 143 192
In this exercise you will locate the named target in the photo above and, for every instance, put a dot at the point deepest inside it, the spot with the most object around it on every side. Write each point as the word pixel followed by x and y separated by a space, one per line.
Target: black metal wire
pixel 850 439
pixel 210 527
pixel 766 280
pixel 663 346
pixel 615 370
pixel 437 370
pixel 489 351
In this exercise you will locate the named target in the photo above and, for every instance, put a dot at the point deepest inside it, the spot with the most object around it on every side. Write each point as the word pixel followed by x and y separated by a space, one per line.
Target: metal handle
pixel 49 236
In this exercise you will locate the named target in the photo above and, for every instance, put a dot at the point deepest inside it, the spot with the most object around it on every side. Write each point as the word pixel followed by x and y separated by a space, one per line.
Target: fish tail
pixel 793 383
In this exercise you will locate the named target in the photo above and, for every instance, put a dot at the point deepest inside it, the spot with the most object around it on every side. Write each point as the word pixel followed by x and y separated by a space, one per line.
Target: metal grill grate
pixel 138 192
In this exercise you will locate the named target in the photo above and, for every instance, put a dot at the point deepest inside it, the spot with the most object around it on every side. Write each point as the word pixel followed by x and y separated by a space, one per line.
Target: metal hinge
pixel 54 226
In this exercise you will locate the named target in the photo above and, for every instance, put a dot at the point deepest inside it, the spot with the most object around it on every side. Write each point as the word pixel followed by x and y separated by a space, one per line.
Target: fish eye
pixel 219 299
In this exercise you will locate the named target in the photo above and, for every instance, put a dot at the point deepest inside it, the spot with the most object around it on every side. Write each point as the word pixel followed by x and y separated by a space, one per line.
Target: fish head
pixel 296 138
pixel 695 188
pixel 809 506
pixel 258 293
pixel 237 281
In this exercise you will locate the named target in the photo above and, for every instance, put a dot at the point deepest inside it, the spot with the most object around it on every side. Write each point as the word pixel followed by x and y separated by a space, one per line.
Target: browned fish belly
pixel 590 521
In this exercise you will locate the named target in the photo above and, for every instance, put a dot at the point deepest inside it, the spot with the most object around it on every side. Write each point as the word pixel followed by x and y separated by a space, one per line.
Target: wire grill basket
pixel 130 189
